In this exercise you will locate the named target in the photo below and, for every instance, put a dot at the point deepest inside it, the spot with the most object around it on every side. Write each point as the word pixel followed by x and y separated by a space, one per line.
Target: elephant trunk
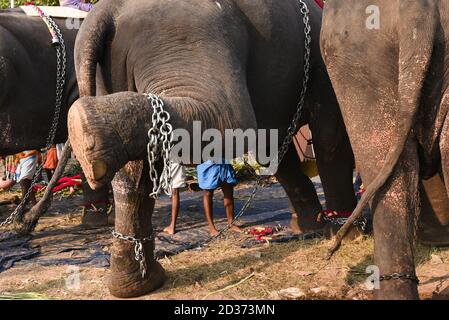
pixel 104 141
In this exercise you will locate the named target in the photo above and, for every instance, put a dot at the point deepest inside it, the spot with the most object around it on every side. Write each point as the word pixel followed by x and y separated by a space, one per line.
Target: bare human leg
pixel 228 202
pixel 175 202
pixel 209 211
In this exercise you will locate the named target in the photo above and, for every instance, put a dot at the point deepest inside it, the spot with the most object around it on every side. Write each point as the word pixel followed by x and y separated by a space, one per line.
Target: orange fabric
pixel 23 155
pixel 51 161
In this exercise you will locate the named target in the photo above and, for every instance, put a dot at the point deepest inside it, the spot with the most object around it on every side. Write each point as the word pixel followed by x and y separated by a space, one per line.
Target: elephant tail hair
pixel 416 38
pixel 90 42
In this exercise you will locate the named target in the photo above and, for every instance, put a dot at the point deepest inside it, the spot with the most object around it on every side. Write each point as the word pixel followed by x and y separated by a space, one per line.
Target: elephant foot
pixel 123 284
pixel 305 224
pixel 397 289
pixel 433 235
pixel 95 218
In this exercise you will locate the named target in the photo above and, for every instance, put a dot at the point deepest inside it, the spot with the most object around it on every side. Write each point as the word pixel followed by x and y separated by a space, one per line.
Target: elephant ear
pixel 416 38
pixel 96 30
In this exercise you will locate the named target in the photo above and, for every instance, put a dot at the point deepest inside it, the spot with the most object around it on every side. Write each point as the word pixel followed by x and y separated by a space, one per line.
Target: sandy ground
pixel 223 270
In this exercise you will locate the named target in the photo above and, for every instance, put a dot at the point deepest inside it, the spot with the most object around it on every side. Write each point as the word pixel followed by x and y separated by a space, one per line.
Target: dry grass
pixel 204 273
pixel 195 274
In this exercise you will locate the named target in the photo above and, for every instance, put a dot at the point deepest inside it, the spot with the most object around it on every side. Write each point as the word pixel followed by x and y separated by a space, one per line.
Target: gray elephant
pixel 28 67
pixel 388 66
pixel 227 63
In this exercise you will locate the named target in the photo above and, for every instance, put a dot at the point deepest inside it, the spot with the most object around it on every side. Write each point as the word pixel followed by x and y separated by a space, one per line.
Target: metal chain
pixel 397 276
pixel 139 252
pixel 61 61
pixel 160 142
pixel 293 128
pixel 362 222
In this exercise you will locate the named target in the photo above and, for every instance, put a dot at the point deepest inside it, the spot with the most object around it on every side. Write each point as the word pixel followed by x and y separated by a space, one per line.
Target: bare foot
pixel 170 230
pixel 236 229
pixel 213 231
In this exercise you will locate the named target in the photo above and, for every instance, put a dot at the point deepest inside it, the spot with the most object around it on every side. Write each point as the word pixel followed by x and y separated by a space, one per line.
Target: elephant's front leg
pixel 396 210
pixel 133 208
pixel 304 201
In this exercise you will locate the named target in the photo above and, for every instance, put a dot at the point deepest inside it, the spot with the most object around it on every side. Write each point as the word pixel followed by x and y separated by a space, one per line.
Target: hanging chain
pixel 293 128
pixel 160 142
pixel 139 252
pixel 61 61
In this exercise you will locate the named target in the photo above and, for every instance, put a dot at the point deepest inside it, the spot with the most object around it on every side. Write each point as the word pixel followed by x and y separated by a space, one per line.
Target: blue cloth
pixel 211 175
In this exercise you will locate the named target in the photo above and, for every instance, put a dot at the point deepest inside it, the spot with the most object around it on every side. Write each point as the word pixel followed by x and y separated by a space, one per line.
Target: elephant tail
pixel 416 37
pixel 96 30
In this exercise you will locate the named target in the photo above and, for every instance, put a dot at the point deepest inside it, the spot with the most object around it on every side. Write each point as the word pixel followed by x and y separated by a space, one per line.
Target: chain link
pixel 293 128
pixel 139 252
pixel 362 223
pixel 397 276
pixel 61 61
pixel 160 142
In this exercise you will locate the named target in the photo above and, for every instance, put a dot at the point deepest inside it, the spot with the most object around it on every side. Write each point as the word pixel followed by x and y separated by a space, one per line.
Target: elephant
pixel 227 63
pixel 387 61
pixel 27 97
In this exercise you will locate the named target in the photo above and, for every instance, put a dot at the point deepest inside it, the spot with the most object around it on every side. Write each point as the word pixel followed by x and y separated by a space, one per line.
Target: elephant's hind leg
pixel 134 209
pixel 396 209
pixel 304 201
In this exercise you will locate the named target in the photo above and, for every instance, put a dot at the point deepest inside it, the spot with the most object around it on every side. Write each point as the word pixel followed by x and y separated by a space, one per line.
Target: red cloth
pixel 336 214
pixel 64 182
pixel 320 3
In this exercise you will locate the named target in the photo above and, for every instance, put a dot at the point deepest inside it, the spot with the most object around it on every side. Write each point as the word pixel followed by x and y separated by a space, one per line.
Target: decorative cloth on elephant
pixel 211 175
pixel 27 164
pixel 76 4
pixel 178 176
pixel 64 182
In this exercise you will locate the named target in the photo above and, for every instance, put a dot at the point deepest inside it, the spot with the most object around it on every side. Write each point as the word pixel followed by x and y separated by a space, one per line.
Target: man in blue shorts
pixel 211 176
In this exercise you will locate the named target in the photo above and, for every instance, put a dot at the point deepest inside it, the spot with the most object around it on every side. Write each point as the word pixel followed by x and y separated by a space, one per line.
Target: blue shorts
pixel 211 175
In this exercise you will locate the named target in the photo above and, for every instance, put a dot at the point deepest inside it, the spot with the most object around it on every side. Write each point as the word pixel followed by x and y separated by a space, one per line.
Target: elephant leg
pixel 443 217
pixel 133 208
pixel 433 226
pixel 304 202
pixel 396 209
pixel 95 204
pixel 335 160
